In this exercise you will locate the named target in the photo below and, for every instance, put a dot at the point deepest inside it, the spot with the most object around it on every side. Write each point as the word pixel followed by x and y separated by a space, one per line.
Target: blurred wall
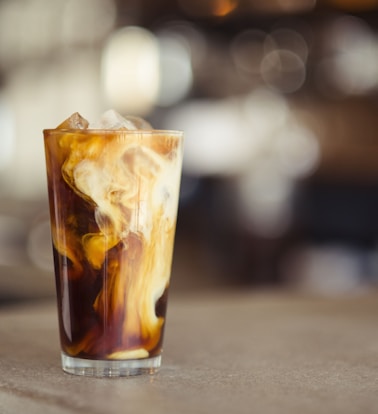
pixel 278 101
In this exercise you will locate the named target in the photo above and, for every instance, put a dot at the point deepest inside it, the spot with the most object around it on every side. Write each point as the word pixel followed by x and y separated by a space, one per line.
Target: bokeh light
pixel 283 70
pixel 99 17
pixel 176 75
pixel 264 201
pixel 44 26
pixel 284 151
pixel 7 141
pixel 297 150
pixel 130 70
pixel 247 50
pixel 216 141
pixel 287 39
pixel 216 8
pixel 351 67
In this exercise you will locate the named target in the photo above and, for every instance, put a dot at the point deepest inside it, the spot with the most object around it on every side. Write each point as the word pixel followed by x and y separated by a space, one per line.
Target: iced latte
pixel 113 192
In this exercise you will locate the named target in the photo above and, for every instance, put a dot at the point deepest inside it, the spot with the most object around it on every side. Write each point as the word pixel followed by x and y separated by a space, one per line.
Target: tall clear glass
pixel 113 198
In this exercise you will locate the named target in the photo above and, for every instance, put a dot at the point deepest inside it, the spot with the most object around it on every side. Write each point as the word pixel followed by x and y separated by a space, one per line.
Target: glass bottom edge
pixel 110 368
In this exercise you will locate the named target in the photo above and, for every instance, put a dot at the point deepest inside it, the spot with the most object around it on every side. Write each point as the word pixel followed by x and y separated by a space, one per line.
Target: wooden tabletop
pixel 237 352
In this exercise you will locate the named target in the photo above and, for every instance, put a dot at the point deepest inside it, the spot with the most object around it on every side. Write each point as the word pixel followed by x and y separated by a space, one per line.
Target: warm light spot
pixel 224 7
pixel 206 8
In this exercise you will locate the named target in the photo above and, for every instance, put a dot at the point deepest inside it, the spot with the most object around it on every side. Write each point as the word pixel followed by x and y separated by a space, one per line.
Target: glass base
pixel 110 368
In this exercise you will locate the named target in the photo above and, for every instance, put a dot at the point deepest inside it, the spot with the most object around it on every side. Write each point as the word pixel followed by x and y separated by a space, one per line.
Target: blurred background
pixel 278 100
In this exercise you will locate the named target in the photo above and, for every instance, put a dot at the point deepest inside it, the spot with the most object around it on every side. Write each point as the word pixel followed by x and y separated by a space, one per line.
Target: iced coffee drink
pixel 113 193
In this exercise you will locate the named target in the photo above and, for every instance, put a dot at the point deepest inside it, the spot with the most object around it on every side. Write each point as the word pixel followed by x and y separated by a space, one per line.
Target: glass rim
pixel 112 131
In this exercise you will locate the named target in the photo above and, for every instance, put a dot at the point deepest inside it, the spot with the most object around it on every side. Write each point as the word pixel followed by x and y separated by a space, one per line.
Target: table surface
pixel 235 352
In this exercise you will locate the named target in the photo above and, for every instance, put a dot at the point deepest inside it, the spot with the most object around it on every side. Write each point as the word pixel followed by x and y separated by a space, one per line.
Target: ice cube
pixel 75 121
pixel 138 122
pixel 113 120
